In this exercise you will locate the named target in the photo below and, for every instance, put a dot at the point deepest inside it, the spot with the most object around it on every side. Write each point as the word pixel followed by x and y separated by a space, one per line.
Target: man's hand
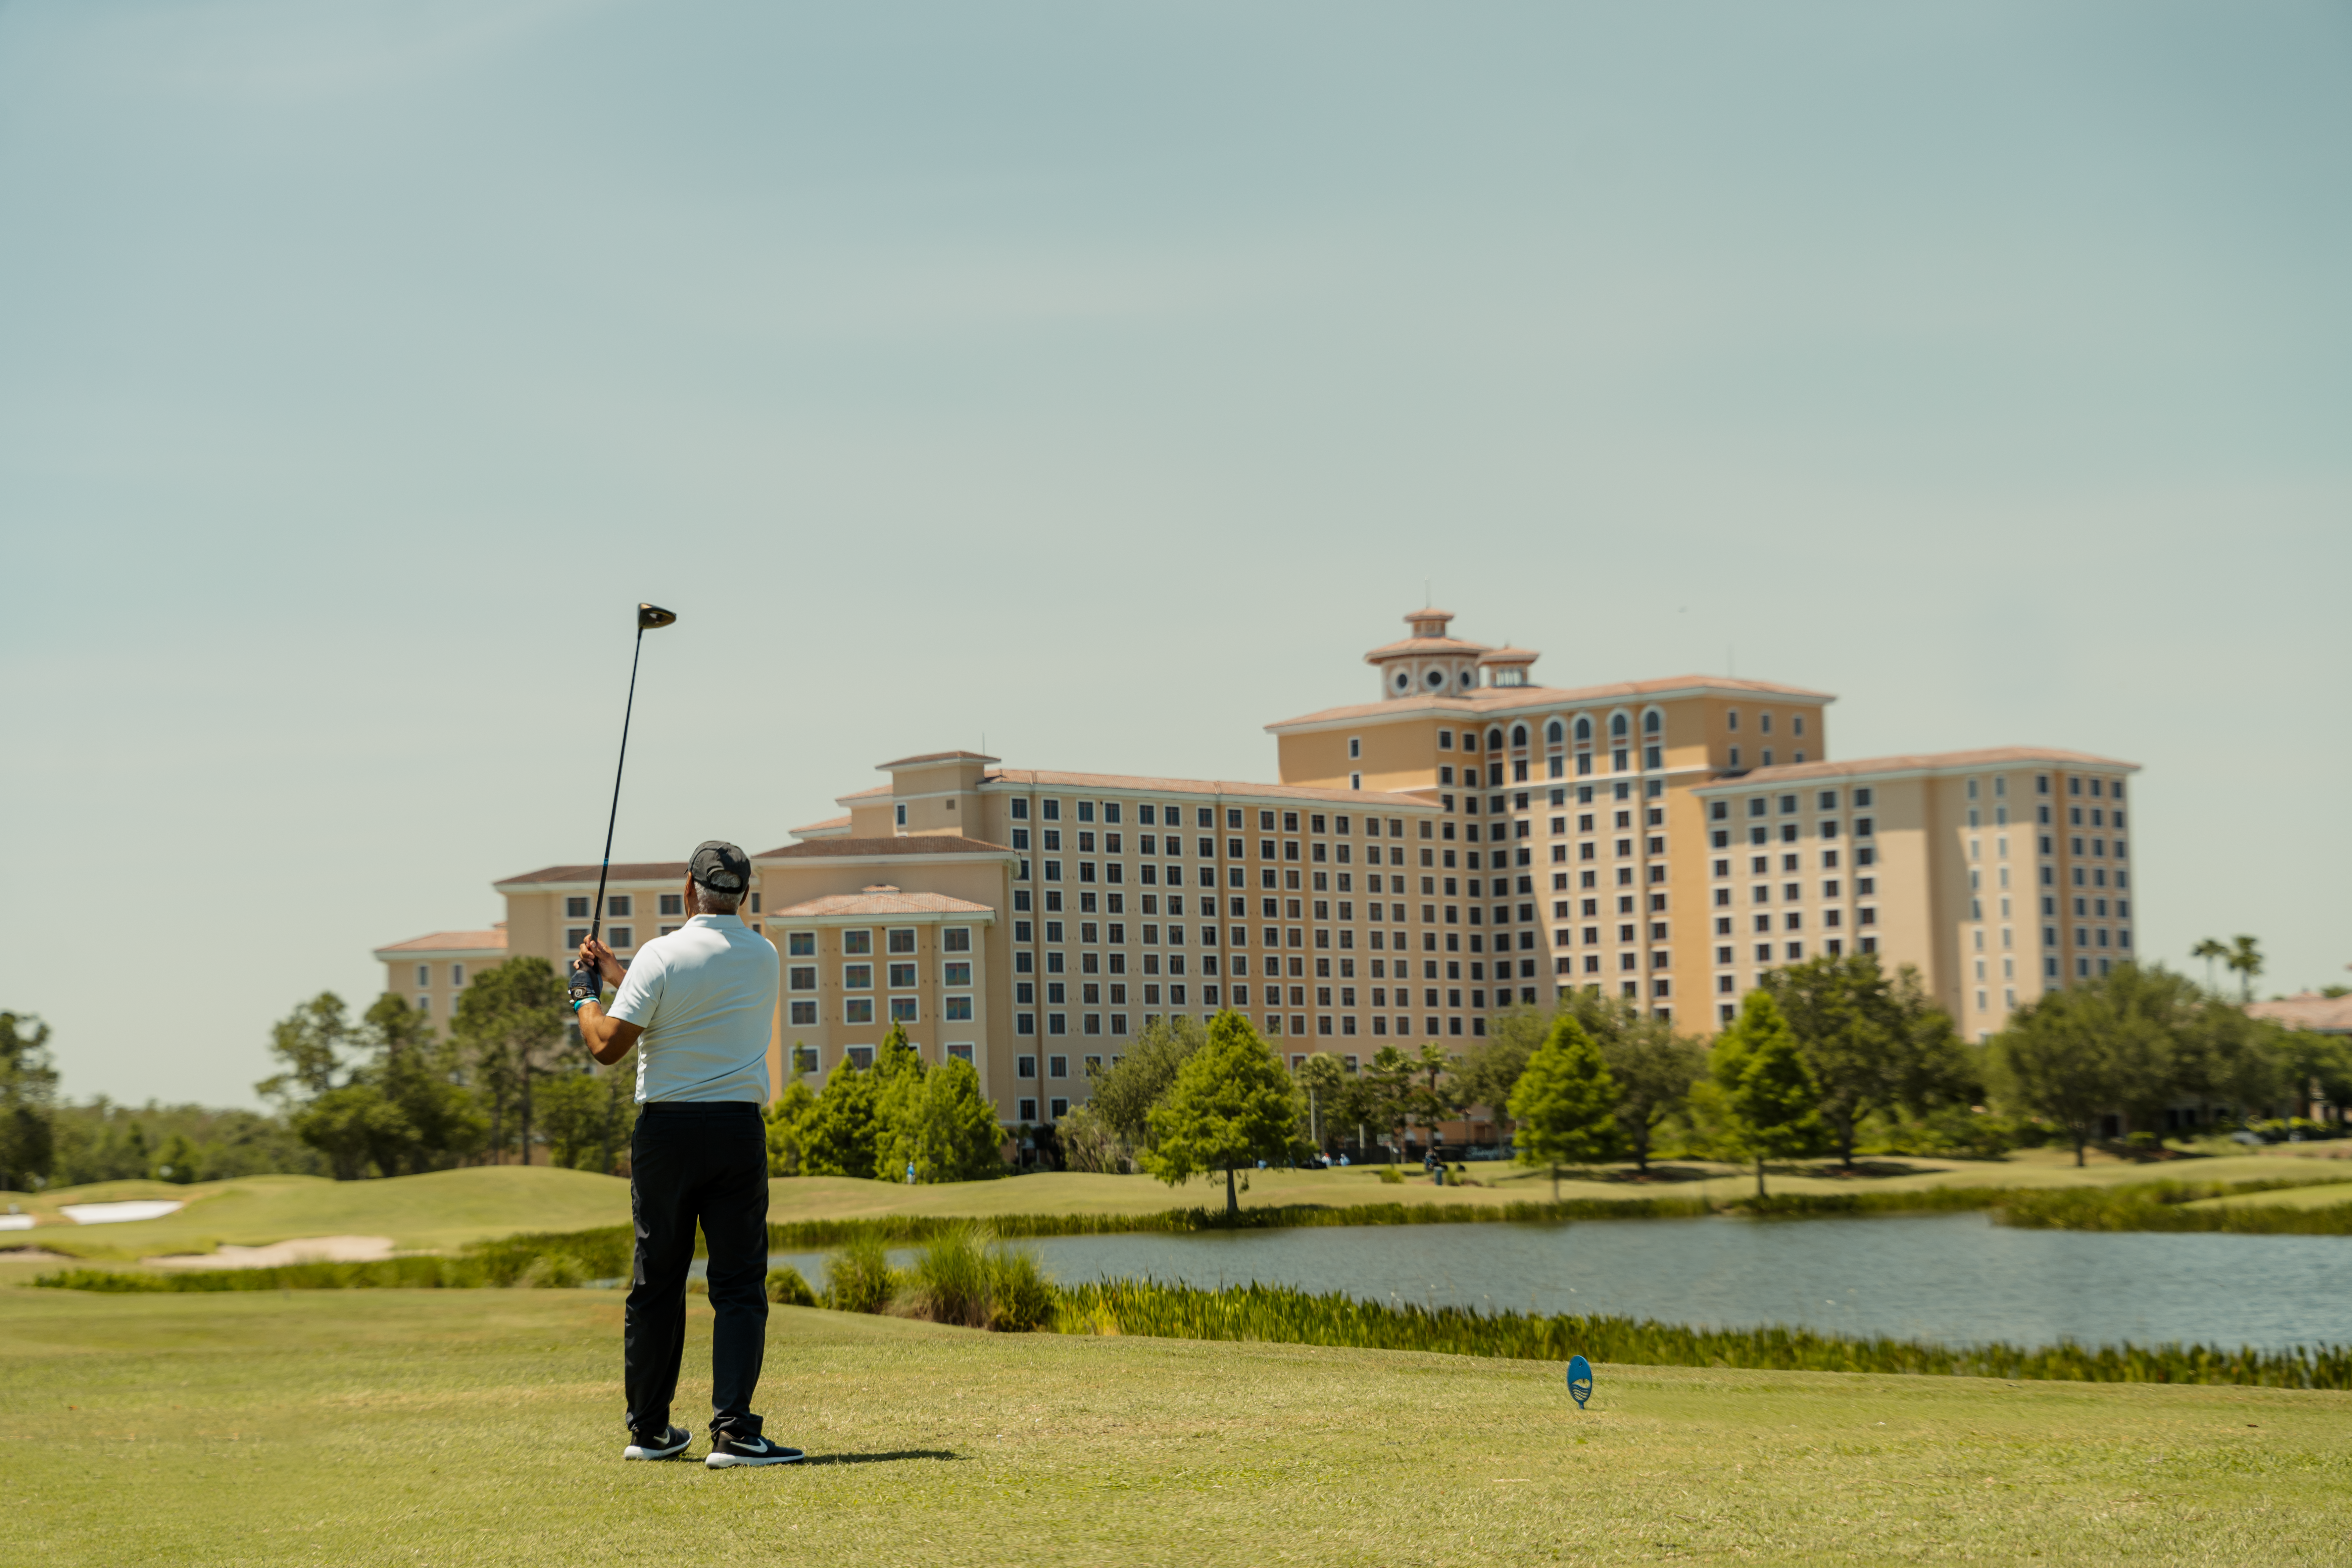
pixel 596 959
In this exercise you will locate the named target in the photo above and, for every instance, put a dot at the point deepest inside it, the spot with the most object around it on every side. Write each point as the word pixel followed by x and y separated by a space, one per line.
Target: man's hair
pixel 709 900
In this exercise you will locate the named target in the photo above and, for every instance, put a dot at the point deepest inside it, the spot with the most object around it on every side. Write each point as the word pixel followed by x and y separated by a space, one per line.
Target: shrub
pixel 949 1282
pixel 963 1277
pixel 1021 1299
pixel 787 1288
pixel 1392 1175
pixel 860 1278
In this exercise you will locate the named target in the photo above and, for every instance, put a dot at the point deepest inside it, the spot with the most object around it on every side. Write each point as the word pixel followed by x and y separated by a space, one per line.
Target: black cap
pixel 721 867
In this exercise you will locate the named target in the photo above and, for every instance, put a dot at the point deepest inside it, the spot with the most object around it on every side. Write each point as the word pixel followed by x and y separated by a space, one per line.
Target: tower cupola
pixel 1429 663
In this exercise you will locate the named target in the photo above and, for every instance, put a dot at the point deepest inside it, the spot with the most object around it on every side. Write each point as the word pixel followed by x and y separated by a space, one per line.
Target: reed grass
pixel 1280 1314
pixel 2164 1206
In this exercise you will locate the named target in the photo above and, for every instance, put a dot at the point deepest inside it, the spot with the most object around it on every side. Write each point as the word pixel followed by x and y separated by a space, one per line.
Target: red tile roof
pixel 939 757
pixel 1489 700
pixel 2308 1010
pixel 891 903
pixel 1991 757
pixel 1378 800
pixel 867 848
pixel 468 942
pixel 628 871
pixel 831 827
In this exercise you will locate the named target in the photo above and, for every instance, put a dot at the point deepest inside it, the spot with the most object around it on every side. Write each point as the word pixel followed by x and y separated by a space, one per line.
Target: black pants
pixel 694 1160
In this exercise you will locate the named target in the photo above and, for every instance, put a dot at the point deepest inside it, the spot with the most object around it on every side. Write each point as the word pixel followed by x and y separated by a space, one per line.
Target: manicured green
pixel 394 1427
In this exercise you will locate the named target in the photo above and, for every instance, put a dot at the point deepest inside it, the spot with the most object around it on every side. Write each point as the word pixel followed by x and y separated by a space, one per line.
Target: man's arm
pixel 608 1039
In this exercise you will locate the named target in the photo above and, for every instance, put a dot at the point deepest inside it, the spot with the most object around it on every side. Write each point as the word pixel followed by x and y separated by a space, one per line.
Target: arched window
pixel 1617 726
pixel 1518 737
pixel 1494 739
pixel 1552 733
pixel 1652 722
pixel 1584 726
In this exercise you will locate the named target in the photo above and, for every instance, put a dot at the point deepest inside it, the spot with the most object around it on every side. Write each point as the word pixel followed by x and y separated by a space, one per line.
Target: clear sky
pixel 1103 380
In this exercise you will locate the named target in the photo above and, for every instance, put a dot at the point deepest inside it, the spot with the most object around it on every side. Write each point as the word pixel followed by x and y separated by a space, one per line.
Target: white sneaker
pixel 671 1444
pixel 727 1450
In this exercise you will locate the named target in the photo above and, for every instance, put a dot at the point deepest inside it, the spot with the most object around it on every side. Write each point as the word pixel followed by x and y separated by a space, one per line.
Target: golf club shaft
pixel 596 915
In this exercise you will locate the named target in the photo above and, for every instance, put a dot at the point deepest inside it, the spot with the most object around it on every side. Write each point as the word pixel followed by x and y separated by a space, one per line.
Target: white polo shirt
pixel 705 996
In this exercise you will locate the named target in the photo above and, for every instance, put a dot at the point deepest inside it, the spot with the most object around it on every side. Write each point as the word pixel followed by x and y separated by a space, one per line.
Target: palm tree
pixel 2209 949
pixel 2246 959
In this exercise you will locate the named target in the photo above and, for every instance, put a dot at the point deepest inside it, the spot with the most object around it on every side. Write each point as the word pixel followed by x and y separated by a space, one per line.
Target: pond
pixel 1957 1278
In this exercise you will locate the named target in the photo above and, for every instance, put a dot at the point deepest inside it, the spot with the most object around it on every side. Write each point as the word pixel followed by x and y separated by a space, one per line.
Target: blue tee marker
pixel 1579 1379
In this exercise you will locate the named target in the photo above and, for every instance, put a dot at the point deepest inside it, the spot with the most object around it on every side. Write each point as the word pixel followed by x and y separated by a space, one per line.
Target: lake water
pixel 1957 1278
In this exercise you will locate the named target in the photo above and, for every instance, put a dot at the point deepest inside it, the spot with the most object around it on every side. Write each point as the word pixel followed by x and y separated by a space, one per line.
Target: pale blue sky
pixel 1106 379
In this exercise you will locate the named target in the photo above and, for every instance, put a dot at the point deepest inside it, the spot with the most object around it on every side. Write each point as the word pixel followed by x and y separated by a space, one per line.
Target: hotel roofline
pixel 1500 701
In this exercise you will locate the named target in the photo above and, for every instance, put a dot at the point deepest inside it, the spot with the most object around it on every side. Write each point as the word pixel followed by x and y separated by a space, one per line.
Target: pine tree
pixel 1231 1105
pixel 1565 1103
pixel 1770 1094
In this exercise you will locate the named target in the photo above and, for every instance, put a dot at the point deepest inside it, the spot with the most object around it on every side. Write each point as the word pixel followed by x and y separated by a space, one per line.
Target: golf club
pixel 649 618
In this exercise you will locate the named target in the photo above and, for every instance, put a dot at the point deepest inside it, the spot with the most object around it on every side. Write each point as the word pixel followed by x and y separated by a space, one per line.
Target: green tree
pixel 28 1093
pixel 1231 1105
pixel 508 1021
pixel 309 1041
pixel 2061 1058
pixel 1565 1104
pixel 1432 1100
pixel 1320 1079
pixel 1654 1068
pixel 1871 1043
pixel 843 1129
pixel 177 1159
pixel 1492 1068
pixel 2209 949
pixel 1125 1094
pixel 1771 1097
pixel 945 1127
pixel 788 1122
pixel 1388 1092
pixel 418 1073
pixel 2244 960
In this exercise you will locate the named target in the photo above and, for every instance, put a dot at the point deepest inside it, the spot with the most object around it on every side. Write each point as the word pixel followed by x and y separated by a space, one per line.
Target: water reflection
pixel 1957 1278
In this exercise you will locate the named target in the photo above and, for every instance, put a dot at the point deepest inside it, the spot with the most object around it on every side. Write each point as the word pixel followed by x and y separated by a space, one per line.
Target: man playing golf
pixel 698 1005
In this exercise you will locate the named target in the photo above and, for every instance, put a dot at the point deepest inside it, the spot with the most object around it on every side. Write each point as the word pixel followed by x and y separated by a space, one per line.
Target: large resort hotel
pixel 1466 842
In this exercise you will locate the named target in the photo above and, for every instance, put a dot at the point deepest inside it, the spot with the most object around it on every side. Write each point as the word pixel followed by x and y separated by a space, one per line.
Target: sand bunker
pixel 277 1254
pixel 121 1213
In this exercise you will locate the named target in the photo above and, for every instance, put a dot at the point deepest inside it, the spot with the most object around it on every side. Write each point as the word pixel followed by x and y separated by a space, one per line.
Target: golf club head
pixel 652 616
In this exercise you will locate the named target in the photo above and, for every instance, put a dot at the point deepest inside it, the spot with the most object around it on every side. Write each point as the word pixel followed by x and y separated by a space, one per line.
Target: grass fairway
pixel 464 1426
pixel 443 1209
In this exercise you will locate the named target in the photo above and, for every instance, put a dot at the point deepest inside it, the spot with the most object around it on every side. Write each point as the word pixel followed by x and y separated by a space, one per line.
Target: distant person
pixel 699 1002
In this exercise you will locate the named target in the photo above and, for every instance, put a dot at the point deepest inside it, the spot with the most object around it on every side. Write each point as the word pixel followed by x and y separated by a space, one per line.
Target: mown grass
pixel 1280 1314
pixel 399 1427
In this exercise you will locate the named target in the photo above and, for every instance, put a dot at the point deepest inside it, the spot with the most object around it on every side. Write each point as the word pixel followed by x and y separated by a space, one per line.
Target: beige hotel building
pixel 1466 842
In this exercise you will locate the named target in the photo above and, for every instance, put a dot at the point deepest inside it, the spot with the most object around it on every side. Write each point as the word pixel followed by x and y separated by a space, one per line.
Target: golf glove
pixel 586 983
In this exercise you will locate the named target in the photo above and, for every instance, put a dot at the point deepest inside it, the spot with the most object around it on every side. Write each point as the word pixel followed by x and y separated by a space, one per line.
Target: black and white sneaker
pixel 727 1450
pixel 668 1446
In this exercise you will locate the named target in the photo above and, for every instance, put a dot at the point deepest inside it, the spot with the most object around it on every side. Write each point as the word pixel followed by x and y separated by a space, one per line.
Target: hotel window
pixel 960 973
pixel 673 904
pixel 902 976
pixel 857 1010
pixel 857 977
pixel 622 936
pixel 618 906
pixel 902 1010
pixel 803 977
pixel 857 943
pixel 575 909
